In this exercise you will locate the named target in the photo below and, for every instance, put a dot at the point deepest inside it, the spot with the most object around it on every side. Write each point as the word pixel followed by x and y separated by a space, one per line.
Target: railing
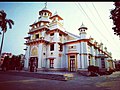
pixel 41 38
pixel 34 29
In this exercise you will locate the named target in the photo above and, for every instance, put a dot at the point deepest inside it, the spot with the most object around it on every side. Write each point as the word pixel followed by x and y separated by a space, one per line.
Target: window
pixel 60 47
pixel 72 56
pixel 52 34
pixel 43 53
pixel 51 63
pixel 37 36
pixel 52 47
pixel 72 47
pixel 60 34
pixel 45 14
pixel 51 53
pixel 42 24
pixel 102 62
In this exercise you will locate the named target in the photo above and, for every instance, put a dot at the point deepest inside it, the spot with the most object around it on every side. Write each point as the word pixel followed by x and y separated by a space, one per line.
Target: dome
pixel 82 27
pixel 45 10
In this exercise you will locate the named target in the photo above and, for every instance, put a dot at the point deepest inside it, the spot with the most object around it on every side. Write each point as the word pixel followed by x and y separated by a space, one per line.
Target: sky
pixel 94 15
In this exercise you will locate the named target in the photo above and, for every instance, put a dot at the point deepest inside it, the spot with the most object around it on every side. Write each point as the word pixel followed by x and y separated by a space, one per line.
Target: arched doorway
pixel 33 64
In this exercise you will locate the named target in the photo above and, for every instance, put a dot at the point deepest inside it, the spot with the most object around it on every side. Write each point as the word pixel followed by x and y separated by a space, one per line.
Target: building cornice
pixel 57 30
pixel 77 41
pixel 27 37
pixel 38 30
pixel 38 23
pixel 56 16
pixel 72 53
pixel 34 42
pixel 91 44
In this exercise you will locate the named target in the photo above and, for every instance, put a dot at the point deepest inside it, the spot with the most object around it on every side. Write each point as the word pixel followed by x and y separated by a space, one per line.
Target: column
pixel 40 55
pixel 78 61
pixel 27 56
pixel 82 56
pixel 56 54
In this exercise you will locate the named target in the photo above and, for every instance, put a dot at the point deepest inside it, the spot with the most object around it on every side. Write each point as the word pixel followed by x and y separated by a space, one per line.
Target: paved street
pixel 22 81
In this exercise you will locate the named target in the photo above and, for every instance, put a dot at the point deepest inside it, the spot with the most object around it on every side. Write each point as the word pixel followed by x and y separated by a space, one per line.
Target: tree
pixel 115 16
pixel 3 24
pixel 6 63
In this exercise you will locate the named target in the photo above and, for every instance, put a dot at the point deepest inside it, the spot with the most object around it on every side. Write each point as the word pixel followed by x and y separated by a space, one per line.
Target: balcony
pixel 38 40
pixel 37 28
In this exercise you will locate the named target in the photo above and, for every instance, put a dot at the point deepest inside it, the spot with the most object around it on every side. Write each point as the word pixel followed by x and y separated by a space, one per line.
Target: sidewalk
pixel 63 76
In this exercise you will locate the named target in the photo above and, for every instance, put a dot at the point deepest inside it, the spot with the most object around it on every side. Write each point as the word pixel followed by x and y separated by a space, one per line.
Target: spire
pixel 82 27
pixel 45 10
pixel 45 4
pixel 82 31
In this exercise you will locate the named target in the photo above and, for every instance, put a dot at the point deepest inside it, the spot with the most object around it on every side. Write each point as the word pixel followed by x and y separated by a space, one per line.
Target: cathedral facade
pixel 49 46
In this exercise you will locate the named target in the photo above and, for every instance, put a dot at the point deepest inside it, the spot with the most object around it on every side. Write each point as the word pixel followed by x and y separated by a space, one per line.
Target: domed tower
pixel 57 22
pixel 82 30
pixel 45 14
pixel 36 42
pixel 43 21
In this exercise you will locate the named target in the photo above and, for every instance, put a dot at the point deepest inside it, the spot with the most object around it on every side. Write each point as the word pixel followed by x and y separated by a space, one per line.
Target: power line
pixel 90 10
pixel 101 19
pixel 91 21
pixel 80 11
pixel 103 22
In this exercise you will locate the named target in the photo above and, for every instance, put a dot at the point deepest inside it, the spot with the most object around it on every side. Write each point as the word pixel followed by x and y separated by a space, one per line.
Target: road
pixel 23 82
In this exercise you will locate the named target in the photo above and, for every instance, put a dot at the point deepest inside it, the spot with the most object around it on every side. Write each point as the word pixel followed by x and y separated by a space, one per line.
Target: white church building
pixel 49 46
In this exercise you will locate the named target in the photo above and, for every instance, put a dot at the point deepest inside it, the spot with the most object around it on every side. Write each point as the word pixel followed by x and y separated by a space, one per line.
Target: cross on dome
pixel 45 4
pixel 45 8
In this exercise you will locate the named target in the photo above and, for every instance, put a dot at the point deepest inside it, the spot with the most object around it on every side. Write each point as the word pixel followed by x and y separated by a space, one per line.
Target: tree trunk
pixel 2 44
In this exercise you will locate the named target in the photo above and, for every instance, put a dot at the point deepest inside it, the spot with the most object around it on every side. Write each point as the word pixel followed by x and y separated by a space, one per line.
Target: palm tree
pixel 3 24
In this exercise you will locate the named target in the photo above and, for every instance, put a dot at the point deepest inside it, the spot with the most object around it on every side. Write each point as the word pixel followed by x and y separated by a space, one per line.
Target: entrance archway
pixel 33 64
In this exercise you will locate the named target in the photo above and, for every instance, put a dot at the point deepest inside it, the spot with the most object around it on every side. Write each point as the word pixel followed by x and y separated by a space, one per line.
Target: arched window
pixel 34 52
pixel 45 13
pixel 52 47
